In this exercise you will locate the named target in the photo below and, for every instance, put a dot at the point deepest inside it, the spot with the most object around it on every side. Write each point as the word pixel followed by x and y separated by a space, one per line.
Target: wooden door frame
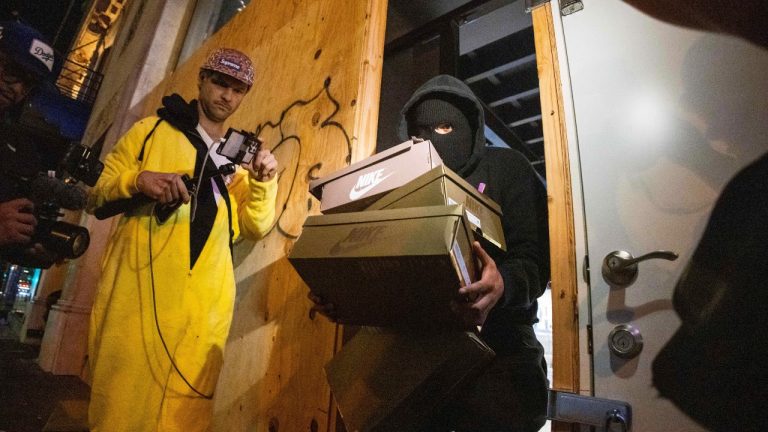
pixel 564 273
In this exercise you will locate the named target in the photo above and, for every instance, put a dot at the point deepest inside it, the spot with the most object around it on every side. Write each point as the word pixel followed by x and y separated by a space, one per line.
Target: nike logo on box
pixel 366 182
pixel 358 237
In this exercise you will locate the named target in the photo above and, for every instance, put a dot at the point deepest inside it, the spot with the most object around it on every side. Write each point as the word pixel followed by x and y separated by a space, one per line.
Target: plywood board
pixel 315 103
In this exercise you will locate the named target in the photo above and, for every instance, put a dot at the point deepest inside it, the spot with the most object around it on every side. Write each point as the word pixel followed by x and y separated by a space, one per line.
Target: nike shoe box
pixel 397 267
pixel 441 186
pixel 386 381
pixel 358 185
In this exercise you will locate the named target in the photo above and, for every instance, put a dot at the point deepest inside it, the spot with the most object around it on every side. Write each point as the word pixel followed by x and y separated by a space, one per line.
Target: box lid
pixel 381 233
pixel 357 186
pixel 316 186
pixel 429 177
pixel 384 215
pixel 483 213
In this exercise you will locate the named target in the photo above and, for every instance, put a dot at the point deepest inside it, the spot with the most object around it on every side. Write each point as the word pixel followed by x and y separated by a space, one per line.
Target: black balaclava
pixel 455 148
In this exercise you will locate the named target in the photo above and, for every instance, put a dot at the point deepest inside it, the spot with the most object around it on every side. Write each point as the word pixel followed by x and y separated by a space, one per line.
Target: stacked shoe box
pixel 390 250
pixel 394 241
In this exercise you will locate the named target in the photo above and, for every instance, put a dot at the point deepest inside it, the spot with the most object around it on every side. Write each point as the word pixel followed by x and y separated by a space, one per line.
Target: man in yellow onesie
pixel 165 299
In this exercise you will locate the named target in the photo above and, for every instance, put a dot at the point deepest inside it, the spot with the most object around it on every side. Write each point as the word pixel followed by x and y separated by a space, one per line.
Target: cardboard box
pixel 399 267
pixel 385 381
pixel 358 185
pixel 441 186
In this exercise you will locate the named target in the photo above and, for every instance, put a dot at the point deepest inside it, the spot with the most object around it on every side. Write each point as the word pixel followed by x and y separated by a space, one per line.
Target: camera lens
pixel 68 240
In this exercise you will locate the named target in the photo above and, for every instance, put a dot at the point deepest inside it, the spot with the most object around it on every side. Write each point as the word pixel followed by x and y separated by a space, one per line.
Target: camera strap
pixel 141 153
pixel 201 226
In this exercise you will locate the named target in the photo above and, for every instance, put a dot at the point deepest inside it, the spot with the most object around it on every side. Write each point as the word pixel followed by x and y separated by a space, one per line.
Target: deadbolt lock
pixel 625 341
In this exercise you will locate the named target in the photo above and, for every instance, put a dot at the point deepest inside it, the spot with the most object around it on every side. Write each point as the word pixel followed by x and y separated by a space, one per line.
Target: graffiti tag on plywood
pixel 307 135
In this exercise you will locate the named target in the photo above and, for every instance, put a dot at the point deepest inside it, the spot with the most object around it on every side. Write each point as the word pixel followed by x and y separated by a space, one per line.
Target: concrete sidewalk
pixel 28 395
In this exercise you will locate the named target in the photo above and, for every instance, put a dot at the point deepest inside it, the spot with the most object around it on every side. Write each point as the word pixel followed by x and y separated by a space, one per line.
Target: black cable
pixel 157 322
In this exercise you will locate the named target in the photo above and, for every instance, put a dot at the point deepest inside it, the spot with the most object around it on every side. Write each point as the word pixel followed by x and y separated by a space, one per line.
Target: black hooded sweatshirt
pixel 512 183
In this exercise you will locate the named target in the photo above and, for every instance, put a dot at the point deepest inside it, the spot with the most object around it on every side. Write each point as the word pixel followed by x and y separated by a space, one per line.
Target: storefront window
pixel 208 18
pixel 16 290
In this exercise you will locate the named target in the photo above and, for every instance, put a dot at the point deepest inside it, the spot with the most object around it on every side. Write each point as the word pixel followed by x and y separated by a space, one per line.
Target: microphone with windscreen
pixel 44 189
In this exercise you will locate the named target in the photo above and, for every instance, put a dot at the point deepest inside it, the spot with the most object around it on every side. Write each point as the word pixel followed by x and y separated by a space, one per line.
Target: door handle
pixel 620 267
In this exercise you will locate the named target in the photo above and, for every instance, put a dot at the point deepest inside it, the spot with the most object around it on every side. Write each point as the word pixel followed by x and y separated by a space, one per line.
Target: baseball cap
pixel 231 62
pixel 28 48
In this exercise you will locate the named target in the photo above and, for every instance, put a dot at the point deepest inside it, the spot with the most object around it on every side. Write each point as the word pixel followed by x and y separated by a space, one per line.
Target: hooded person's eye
pixel 444 128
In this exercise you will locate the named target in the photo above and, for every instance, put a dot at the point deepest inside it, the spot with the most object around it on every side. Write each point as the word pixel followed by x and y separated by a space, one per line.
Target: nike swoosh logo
pixel 345 246
pixel 357 238
pixel 10 147
pixel 357 193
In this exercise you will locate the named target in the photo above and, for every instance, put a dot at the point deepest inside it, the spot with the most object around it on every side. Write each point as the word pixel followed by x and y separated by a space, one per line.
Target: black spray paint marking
pixel 311 172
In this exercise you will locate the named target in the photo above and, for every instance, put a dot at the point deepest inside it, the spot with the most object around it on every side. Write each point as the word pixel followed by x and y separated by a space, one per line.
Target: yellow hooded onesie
pixel 147 289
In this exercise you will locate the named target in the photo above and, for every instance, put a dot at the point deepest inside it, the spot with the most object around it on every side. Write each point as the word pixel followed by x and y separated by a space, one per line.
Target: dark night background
pixel 58 20
pixel 55 119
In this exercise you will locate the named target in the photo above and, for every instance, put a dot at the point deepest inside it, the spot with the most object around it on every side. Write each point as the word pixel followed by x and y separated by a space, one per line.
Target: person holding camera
pixel 26 61
pixel 165 300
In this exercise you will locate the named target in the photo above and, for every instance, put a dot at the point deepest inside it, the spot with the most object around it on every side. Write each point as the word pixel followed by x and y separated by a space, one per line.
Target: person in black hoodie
pixel 511 394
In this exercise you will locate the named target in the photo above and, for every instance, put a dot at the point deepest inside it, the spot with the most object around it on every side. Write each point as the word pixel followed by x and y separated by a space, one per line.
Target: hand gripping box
pixel 387 381
pixel 356 186
pixel 399 267
pixel 441 186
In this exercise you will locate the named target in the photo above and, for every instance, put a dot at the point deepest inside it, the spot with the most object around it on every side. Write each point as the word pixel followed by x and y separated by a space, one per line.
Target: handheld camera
pixel 239 146
pixel 53 191
pixel 79 164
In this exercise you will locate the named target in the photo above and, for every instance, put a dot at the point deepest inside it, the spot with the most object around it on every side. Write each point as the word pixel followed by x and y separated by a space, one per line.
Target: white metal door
pixel 663 118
